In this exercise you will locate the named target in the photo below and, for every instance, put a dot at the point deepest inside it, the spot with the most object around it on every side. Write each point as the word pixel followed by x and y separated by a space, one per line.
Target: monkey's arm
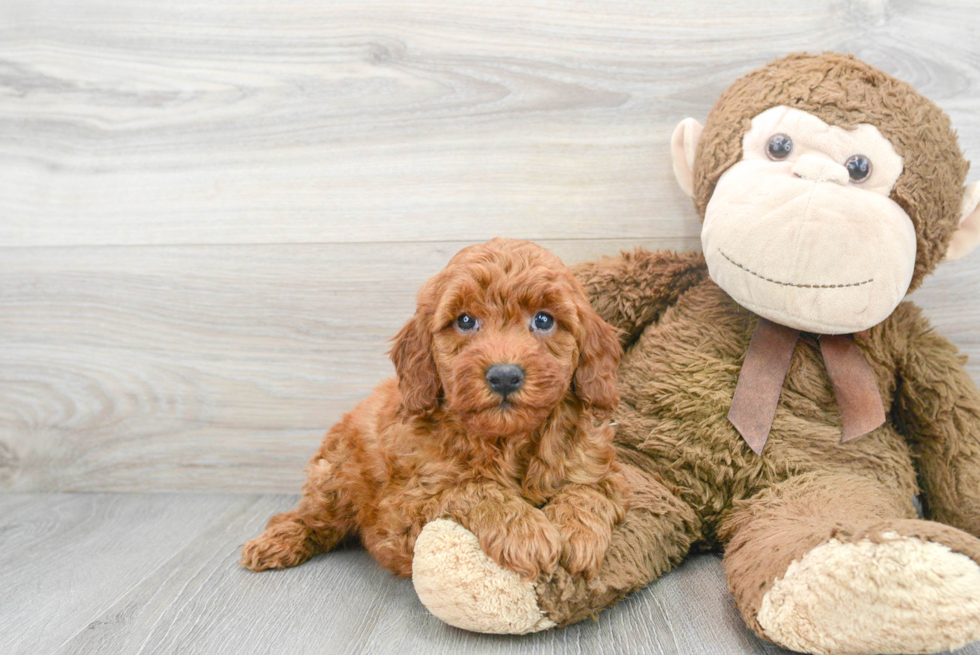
pixel 631 291
pixel 938 407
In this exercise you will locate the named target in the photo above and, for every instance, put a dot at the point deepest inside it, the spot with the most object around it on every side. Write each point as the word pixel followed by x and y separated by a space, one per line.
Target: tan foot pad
pixel 459 584
pixel 904 595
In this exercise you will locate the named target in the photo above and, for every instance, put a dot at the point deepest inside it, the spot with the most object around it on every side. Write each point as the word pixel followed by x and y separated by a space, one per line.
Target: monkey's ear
pixel 411 354
pixel 967 235
pixel 683 144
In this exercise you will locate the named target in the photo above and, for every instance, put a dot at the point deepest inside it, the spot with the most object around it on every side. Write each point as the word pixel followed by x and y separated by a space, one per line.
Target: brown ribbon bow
pixel 764 371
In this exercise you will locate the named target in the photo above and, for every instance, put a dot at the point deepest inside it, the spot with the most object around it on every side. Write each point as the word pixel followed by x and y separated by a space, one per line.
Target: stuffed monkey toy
pixel 780 401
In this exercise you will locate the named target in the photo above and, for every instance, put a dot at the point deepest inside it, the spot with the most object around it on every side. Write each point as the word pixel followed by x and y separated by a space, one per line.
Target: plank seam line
pixel 340 243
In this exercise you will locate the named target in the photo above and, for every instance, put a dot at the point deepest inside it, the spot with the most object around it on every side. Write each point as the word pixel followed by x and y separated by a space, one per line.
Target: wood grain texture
pixel 214 214
pixel 144 574
pixel 201 601
pixel 135 122
pixel 65 559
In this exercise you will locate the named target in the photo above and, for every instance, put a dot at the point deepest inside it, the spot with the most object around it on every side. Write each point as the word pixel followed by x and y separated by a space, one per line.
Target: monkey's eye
pixel 542 322
pixel 466 323
pixel 859 168
pixel 780 147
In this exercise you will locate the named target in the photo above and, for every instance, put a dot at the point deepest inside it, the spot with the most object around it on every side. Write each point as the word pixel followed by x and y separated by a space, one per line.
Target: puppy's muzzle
pixel 505 379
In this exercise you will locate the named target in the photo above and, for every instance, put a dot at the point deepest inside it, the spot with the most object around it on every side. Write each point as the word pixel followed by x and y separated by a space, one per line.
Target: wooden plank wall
pixel 214 213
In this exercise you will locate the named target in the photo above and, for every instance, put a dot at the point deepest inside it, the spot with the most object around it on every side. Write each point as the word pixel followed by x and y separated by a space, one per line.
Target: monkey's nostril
pixel 505 378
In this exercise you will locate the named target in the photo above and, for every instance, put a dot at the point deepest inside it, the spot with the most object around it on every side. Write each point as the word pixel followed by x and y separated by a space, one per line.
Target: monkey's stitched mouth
pixel 793 284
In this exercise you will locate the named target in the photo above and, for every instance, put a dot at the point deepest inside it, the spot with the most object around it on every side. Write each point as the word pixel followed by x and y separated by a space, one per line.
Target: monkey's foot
pixel 461 585
pixel 900 595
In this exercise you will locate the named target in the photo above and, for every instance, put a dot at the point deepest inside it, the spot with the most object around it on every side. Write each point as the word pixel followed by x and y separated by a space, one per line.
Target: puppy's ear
pixel 411 354
pixel 595 377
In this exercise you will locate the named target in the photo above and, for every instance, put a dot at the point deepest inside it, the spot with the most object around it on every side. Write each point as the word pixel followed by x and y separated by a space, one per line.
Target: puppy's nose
pixel 505 378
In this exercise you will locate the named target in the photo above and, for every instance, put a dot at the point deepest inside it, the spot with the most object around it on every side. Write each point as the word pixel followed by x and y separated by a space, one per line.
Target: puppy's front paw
pixel 584 546
pixel 585 519
pixel 527 543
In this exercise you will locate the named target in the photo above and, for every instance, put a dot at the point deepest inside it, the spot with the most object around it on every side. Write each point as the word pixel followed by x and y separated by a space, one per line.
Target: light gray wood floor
pixel 157 573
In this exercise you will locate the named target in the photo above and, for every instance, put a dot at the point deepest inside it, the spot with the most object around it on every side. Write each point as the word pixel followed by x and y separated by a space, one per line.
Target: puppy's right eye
pixel 543 322
pixel 466 323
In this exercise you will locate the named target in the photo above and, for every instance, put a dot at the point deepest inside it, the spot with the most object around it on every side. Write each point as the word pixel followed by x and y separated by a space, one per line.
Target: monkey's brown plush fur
pixel 533 476
pixel 696 481
pixel 697 484
pixel 686 339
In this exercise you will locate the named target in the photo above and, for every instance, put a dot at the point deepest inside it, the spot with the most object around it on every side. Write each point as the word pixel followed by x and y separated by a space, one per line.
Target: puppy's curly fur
pixel 532 474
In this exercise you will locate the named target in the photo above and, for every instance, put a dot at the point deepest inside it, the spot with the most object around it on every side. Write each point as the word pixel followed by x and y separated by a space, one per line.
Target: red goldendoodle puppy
pixel 502 373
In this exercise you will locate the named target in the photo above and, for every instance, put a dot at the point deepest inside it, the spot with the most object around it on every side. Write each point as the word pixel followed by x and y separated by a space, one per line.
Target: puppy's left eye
pixel 542 322
pixel 465 322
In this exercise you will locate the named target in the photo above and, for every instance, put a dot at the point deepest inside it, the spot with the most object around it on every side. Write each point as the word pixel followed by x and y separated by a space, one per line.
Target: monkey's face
pixel 802 230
